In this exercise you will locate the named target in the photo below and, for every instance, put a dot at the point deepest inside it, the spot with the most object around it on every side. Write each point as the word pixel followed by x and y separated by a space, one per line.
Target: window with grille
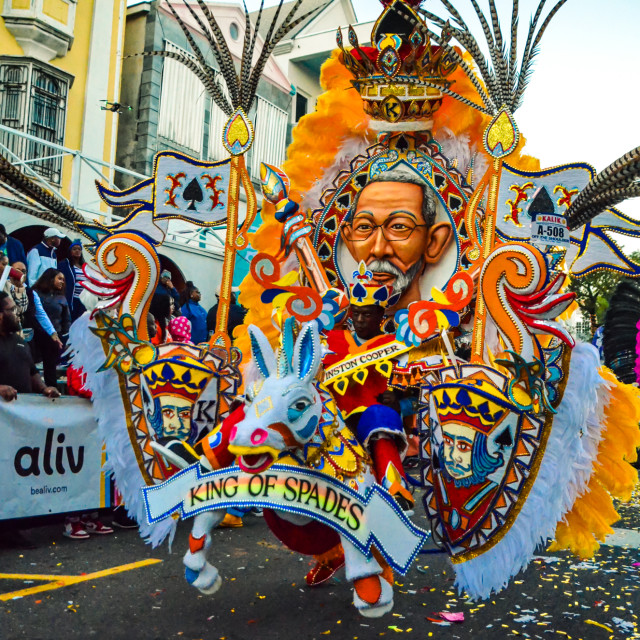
pixel 271 136
pixel 182 101
pixel 34 100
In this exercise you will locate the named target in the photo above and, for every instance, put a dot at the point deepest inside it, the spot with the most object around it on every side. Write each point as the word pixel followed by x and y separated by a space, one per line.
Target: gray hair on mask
pixel 409 177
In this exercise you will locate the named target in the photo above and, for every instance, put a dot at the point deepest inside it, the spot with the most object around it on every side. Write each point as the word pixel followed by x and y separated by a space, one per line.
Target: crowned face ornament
pixel 474 429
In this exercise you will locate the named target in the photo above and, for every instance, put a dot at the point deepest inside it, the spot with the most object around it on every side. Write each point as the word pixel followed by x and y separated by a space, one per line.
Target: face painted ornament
pixel 475 430
pixel 173 387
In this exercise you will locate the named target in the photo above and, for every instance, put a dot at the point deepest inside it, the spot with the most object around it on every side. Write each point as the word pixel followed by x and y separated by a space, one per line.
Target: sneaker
pixel 231 522
pixel 122 520
pixel 405 505
pixel 95 527
pixel 75 530
pixel 323 571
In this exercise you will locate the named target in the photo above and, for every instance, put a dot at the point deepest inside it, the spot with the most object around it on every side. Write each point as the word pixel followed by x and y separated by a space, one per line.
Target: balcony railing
pixel 83 171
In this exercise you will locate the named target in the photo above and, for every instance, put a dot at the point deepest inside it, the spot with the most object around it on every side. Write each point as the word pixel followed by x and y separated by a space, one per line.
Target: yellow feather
pixel 438 296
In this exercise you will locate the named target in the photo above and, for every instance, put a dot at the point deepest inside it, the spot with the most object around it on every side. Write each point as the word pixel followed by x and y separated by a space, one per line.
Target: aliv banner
pixel 51 457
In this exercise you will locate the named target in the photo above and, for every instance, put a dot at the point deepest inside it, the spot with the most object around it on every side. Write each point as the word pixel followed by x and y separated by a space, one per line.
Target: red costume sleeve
pixel 216 445
pixel 76 379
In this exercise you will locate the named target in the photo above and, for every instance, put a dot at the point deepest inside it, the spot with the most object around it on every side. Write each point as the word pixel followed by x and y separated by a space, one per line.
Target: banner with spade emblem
pixel 191 190
pixel 182 188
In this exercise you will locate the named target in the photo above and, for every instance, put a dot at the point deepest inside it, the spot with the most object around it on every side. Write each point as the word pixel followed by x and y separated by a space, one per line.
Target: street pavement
pixel 263 595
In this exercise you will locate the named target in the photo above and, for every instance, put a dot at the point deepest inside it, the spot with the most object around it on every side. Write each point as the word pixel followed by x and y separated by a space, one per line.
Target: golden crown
pixel 364 292
pixel 185 378
pixel 401 76
pixel 474 401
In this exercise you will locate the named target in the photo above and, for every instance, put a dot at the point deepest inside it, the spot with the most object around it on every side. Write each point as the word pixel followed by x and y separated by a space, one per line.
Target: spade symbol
pixel 402 144
pixel 193 193
pixel 504 440
pixel 541 203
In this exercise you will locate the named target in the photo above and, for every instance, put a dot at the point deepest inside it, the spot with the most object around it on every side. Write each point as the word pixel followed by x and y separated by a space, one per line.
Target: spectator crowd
pixel 45 293
pixel 40 297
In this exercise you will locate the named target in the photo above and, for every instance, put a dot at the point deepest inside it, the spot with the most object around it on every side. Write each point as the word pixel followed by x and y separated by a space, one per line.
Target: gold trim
pixel 131 429
pixel 528 483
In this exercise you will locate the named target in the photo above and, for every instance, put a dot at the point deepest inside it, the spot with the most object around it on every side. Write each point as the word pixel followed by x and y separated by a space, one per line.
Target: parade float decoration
pixel 407 189
pixel 518 437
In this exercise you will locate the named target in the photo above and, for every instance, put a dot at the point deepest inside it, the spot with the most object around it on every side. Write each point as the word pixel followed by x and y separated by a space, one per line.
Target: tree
pixel 594 291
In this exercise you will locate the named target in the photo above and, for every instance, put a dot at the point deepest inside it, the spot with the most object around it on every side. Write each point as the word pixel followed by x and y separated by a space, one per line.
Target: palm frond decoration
pixel 504 80
pixel 53 208
pixel 241 83
pixel 619 181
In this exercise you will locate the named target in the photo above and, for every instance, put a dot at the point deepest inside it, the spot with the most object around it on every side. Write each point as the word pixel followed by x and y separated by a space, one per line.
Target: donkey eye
pixel 298 408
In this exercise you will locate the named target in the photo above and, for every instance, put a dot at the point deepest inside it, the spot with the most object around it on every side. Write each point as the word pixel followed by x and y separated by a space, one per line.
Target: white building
pixel 301 54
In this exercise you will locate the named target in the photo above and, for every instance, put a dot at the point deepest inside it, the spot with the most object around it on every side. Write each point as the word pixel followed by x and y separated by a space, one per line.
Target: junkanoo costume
pixel 519 440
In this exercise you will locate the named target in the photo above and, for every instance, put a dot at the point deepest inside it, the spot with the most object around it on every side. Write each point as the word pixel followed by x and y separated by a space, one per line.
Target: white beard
pixel 402 279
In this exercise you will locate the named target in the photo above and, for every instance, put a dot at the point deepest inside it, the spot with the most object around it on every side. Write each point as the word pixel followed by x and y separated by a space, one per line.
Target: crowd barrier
pixel 51 458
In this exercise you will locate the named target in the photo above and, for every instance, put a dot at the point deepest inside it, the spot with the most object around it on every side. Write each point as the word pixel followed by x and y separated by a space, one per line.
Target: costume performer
pixel 412 164
pixel 472 276
pixel 370 408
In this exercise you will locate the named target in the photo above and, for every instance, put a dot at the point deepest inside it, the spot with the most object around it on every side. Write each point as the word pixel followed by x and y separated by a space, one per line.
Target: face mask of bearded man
pixel 393 230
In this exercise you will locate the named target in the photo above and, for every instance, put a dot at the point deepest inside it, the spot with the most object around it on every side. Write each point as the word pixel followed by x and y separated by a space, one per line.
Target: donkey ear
pixel 262 352
pixel 306 354
pixel 288 338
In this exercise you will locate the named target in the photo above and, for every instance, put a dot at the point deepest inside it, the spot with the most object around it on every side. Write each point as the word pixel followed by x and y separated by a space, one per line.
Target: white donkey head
pixel 283 409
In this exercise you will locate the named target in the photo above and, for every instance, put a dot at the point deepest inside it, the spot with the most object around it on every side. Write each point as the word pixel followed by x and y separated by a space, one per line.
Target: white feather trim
pixel 87 352
pixel 563 476
pixel 457 149
pixel 350 148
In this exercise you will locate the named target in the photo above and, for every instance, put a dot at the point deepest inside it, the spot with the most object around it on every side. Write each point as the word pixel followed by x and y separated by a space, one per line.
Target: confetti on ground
pixel 525 619
pixel 598 624
pixel 452 616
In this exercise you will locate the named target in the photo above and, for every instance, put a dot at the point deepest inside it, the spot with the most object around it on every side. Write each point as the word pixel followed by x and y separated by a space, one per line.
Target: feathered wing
pixel 241 84
pixel 620 332
pixel 109 411
pixel 584 466
pixel 619 181
pixel 505 84
pixel 207 80
pixel 54 209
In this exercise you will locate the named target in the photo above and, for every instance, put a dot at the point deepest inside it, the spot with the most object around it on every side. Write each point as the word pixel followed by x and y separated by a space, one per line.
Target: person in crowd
pixel 195 312
pixel 79 526
pixel 16 287
pixel 160 309
pixel 18 375
pixel 12 247
pixel 43 255
pixel 4 261
pixel 236 316
pixel 151 325
pixel 165 287
pixel 180 329
pixel 36 319
pixel 50 288
pixel 73 277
